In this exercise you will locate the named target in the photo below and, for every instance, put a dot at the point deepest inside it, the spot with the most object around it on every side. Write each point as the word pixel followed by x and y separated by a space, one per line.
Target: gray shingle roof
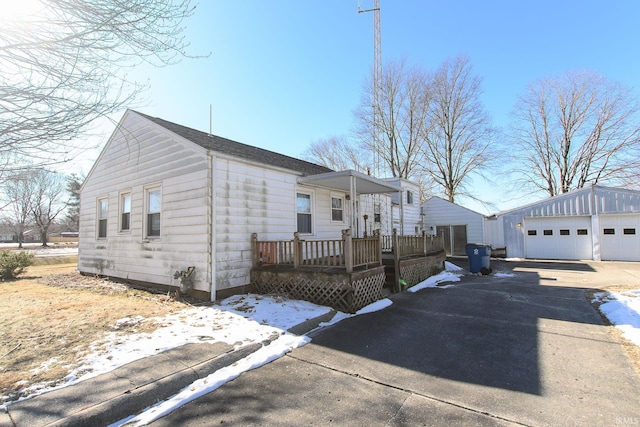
pixel 244 151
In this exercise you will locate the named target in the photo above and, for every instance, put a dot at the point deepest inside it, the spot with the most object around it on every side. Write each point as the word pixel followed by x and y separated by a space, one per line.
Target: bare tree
pixel 18 194
pixel 338 154
pixel 65 65
pixel 395 139
pixel 458 140
pixel 575 129
pixel 48 199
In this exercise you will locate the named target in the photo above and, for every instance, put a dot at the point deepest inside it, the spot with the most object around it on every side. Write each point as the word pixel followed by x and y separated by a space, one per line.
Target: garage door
pixel 620 237
pixel 558 238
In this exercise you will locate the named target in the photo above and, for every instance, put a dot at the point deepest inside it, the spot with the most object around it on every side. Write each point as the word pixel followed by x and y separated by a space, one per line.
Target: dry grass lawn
pixel 52 314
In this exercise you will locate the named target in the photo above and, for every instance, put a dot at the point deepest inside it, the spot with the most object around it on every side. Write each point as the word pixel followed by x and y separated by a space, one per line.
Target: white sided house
pixel 594 223
pixel 168 205
pixel 458 225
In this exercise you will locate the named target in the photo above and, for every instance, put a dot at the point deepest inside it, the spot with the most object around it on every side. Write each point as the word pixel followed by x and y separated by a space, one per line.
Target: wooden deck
pixel 346 274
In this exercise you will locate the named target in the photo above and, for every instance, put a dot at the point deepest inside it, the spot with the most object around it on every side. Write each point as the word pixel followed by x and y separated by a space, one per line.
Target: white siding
pixel 132 160
pixel 438 211
pixel 252 198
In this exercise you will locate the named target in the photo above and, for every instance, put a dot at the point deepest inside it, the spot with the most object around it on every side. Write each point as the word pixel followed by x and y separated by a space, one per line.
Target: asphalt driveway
pixel 523 349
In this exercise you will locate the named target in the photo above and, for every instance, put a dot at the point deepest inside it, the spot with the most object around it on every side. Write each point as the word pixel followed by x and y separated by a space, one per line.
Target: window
pixel 548 232
pixel 125 212
pixel 303 210
pixel 629 231
pixel 532 232
pixel 376 212
pixel 564 232
pixel 153 212
pixel 609 231
pixel 103 214
pixel 409 197
pixel 582 232
pixel 336 209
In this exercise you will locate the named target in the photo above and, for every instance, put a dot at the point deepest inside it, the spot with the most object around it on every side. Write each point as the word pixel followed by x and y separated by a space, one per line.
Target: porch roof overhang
pixel 341 180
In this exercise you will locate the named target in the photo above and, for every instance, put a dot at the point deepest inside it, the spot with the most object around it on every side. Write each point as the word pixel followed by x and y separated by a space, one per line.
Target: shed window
pixel 303 211
pixel 336 209
pixel 103 213
pixel 532 232
pixel 125 212
pixel 609 231
pixel 153 212
pixel 564 232
pixel 581 232
pixel 548 232
pixel 629 231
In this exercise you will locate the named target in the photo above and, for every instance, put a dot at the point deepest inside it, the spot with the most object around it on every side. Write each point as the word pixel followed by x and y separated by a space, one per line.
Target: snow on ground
pixel 623 311
pixel 244 319
pixel 54 249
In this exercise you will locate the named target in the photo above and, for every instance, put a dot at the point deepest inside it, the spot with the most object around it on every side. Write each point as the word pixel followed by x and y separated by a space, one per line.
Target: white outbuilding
pixel 593 223
pixel 457 224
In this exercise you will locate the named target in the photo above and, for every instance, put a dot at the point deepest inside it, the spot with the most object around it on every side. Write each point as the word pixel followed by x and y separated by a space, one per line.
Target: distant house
pixel 458 225
pixel 592 223
pixel 164 202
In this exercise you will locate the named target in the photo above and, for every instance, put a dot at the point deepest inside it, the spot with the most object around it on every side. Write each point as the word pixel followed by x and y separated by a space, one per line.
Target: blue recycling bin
pixel 479 258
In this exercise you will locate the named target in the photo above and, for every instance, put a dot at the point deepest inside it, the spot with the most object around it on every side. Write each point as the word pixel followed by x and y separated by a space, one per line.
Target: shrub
pixel 13 263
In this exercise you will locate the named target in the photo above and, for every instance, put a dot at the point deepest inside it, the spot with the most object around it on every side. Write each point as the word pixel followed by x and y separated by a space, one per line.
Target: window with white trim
pixel 409 197
pixel 103 214
pixel 303 213
pixel 376 212
pixel 154 204
pixel 125 211
pixel 337 209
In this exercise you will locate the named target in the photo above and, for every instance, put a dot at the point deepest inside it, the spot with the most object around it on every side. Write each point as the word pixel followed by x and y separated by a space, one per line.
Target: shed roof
pixel 244 151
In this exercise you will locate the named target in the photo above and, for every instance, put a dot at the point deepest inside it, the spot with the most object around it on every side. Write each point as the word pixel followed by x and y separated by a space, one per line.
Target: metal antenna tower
pixel 377 77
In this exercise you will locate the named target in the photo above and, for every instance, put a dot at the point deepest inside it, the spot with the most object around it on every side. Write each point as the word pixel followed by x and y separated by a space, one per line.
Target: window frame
pixel 532 232
pixel 148 220
pixel 629 231
pixel 311 215
pixel 609 231
pixel 333 209
pixel 547 232
pixel 122 212
pixel 377 213
pixel 100 219
pixel 409 197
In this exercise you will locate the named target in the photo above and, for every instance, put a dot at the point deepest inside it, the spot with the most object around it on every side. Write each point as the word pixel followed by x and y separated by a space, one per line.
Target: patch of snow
pixel 433 281
pixel 451 267
pixel 504 274
pixel 623 311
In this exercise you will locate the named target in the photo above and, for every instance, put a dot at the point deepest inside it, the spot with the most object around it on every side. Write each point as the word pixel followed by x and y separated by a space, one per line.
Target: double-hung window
pixel 336 209
pixel 153 212
pixel 303 211
pixel 125 212
pixel 103 214
pixel 409 197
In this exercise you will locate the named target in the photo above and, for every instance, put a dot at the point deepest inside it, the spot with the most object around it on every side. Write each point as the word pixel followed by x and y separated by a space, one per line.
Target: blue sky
pixel 283 74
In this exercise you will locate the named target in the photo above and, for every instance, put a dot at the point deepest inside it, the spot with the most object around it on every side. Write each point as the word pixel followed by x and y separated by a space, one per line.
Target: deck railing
pixel 346 253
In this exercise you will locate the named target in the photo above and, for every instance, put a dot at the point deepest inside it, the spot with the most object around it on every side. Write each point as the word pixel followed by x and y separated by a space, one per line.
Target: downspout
pixel 212 234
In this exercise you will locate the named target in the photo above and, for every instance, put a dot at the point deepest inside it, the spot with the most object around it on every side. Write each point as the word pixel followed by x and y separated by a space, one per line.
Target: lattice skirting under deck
pixel 414 271
pixel 344 292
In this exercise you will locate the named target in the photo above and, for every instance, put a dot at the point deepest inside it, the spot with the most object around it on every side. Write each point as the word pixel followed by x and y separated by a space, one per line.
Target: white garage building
pixel 595 223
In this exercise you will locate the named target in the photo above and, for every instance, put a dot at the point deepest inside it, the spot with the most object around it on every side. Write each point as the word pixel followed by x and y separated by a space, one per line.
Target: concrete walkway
pixel 522 350
pixel 527 349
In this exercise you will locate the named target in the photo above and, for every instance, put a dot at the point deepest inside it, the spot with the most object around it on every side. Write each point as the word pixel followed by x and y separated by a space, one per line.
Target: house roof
pixel 244 151
pixel 440 199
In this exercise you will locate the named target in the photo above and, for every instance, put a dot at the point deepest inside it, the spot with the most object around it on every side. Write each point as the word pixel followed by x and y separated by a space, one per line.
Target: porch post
pixel 297 253
pixel 354 204
pixel 348 250
pixel 396 260
pixel 424 242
